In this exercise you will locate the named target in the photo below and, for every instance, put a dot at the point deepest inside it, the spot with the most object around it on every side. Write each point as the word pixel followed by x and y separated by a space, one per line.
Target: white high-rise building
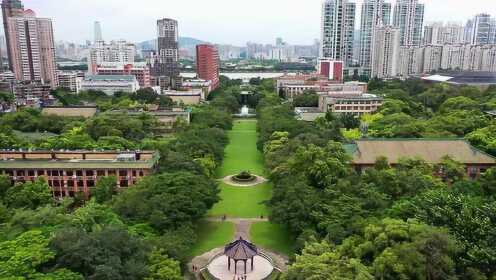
pixel 98 32
pixel 432 33
pixel 461 57
pixel 439 34
pixel 338 27
pixel 432 58
pixel 492 32
pixel 452 33
pixel 488 61
pixel 409 18
pixel 410 61
pixel 386 50
pixel 479 58
pixel 452 57
pixel 116 51
pixel 468 31
pixel 481 30
pixel 375 13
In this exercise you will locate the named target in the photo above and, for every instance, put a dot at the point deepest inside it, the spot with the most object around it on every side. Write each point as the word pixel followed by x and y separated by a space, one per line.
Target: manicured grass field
pixel 212 235
pixel 241 202
pixel 272 236
pixel 241 154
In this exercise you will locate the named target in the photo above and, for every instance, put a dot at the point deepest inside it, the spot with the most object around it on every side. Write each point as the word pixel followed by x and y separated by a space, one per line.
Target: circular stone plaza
pixel 240 260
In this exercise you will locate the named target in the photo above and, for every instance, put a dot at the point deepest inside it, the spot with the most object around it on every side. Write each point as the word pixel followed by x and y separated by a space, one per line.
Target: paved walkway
pixel 242 226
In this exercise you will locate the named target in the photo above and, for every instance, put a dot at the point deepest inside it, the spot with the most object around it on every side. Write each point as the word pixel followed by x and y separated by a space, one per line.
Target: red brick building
pixel 207 64
pixel 71 172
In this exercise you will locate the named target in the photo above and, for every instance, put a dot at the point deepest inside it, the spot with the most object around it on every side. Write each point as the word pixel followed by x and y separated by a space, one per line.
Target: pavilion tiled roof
pixel 241 250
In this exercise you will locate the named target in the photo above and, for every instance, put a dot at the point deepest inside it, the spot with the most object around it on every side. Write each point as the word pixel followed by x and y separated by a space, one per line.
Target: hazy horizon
pixel 221 21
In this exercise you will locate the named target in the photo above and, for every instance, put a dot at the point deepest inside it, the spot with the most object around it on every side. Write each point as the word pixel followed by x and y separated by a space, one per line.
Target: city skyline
pixel 295 23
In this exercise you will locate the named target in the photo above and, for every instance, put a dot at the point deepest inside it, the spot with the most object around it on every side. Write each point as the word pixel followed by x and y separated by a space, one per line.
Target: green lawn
pixel 212 235
pixel 240 202
pixel 273 237
pixel 241 154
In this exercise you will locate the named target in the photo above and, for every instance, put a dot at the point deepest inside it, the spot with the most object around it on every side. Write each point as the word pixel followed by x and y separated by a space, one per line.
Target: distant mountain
pixel 184 43
pixel 147 45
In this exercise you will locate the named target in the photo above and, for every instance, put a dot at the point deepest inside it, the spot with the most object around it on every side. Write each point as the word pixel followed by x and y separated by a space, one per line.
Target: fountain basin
pixel 244 177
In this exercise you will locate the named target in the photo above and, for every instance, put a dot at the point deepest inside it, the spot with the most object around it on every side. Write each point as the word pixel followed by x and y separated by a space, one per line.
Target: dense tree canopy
pixel 144 232
pixel 96 256
pixel 28 195
pixel 307 99
pixel 389 249
pixel 411 221
pixel 21 257
pixel 168 200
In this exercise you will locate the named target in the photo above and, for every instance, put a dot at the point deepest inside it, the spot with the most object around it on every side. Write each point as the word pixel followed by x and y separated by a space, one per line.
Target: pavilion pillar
pixel 235 266
pixel 229 263
pixel 245 266
pixel 252 263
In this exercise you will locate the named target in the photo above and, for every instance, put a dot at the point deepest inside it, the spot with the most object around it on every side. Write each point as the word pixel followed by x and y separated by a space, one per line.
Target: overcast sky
pixel 217 21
